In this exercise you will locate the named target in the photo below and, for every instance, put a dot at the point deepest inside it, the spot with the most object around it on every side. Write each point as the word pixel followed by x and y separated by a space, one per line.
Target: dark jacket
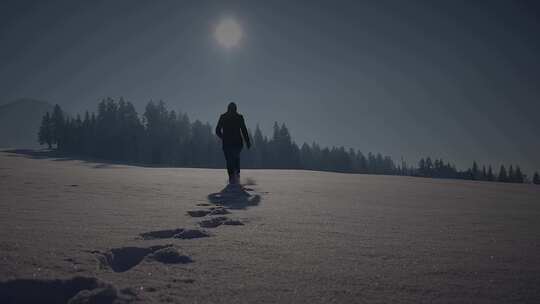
pixel 230 128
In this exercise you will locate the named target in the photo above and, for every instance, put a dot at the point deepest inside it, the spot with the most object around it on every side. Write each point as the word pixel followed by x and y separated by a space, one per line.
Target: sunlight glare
pixel 228 33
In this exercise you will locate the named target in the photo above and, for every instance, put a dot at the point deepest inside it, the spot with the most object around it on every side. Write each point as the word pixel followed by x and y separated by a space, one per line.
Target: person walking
pixel 231 129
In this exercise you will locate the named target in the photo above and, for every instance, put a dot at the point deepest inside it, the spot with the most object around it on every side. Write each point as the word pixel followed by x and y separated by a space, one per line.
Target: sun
pixel 228 33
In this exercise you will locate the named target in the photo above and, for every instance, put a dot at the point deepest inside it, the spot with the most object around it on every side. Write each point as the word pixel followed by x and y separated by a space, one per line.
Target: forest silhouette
pixel 165 137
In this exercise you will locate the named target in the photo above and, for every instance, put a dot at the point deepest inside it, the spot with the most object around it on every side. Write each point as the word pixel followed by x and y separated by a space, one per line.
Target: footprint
pixel 169 255
pixel 150 289
pixel 124 258
pixel 218 221
pixel 198 213
pixel 161 234
pixel 191 234
pixel 213 222
pixel 233 222
pixel 74 290
pixel 188 281
pixel 75 265
pixel 218 211
pixel 98 295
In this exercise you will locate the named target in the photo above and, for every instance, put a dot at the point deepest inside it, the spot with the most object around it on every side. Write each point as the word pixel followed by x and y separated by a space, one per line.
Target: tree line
pixel 438 168
pixel 165 137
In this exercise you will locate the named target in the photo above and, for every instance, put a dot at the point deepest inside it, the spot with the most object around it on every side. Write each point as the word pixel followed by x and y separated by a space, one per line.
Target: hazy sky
pixel 457 79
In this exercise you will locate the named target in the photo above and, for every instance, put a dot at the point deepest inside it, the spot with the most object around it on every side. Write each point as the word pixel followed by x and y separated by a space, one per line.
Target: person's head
pixel 231 108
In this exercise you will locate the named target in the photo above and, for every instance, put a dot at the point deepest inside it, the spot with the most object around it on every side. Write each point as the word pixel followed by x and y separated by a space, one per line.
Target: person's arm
pixel 219 127
pixel 245 133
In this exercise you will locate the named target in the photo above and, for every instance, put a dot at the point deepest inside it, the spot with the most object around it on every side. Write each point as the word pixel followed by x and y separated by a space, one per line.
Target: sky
pixel 456 80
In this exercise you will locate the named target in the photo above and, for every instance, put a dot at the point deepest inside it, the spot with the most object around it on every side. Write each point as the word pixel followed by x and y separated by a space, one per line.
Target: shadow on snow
pixel 234 197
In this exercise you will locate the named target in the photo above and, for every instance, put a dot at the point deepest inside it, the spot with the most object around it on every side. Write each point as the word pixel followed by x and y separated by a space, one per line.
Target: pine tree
pixel 306 156
pixel 275 159
pixel 422 167
pixel 403 167
pixel 518 176
pixel 474 171
pixel 536 178
pixel 362 162
pixel 259 148
pixel 490 176
pixel 284 146
pixel 87 134
pixel 503 177
pixel 57 126
pixel 44 134
pixel 511 176
pixel 429 167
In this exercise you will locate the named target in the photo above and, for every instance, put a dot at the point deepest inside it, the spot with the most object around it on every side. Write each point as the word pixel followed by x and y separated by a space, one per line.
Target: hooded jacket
pixel 231 128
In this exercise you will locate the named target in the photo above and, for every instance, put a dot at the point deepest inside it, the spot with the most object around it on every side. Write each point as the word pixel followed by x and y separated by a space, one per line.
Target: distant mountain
pixel 19 122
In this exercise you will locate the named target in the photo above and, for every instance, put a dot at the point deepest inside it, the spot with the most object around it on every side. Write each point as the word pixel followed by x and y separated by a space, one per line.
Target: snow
pixel 307 237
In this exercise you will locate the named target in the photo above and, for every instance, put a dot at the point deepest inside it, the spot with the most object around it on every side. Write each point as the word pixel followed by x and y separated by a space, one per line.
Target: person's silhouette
pixel 231 128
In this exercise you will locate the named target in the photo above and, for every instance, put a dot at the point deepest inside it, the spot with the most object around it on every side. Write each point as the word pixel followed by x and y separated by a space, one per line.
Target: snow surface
pixel 293 237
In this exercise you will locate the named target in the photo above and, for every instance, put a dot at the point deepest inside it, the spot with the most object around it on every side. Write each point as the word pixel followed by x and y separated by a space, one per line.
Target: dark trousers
pixel 232 157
